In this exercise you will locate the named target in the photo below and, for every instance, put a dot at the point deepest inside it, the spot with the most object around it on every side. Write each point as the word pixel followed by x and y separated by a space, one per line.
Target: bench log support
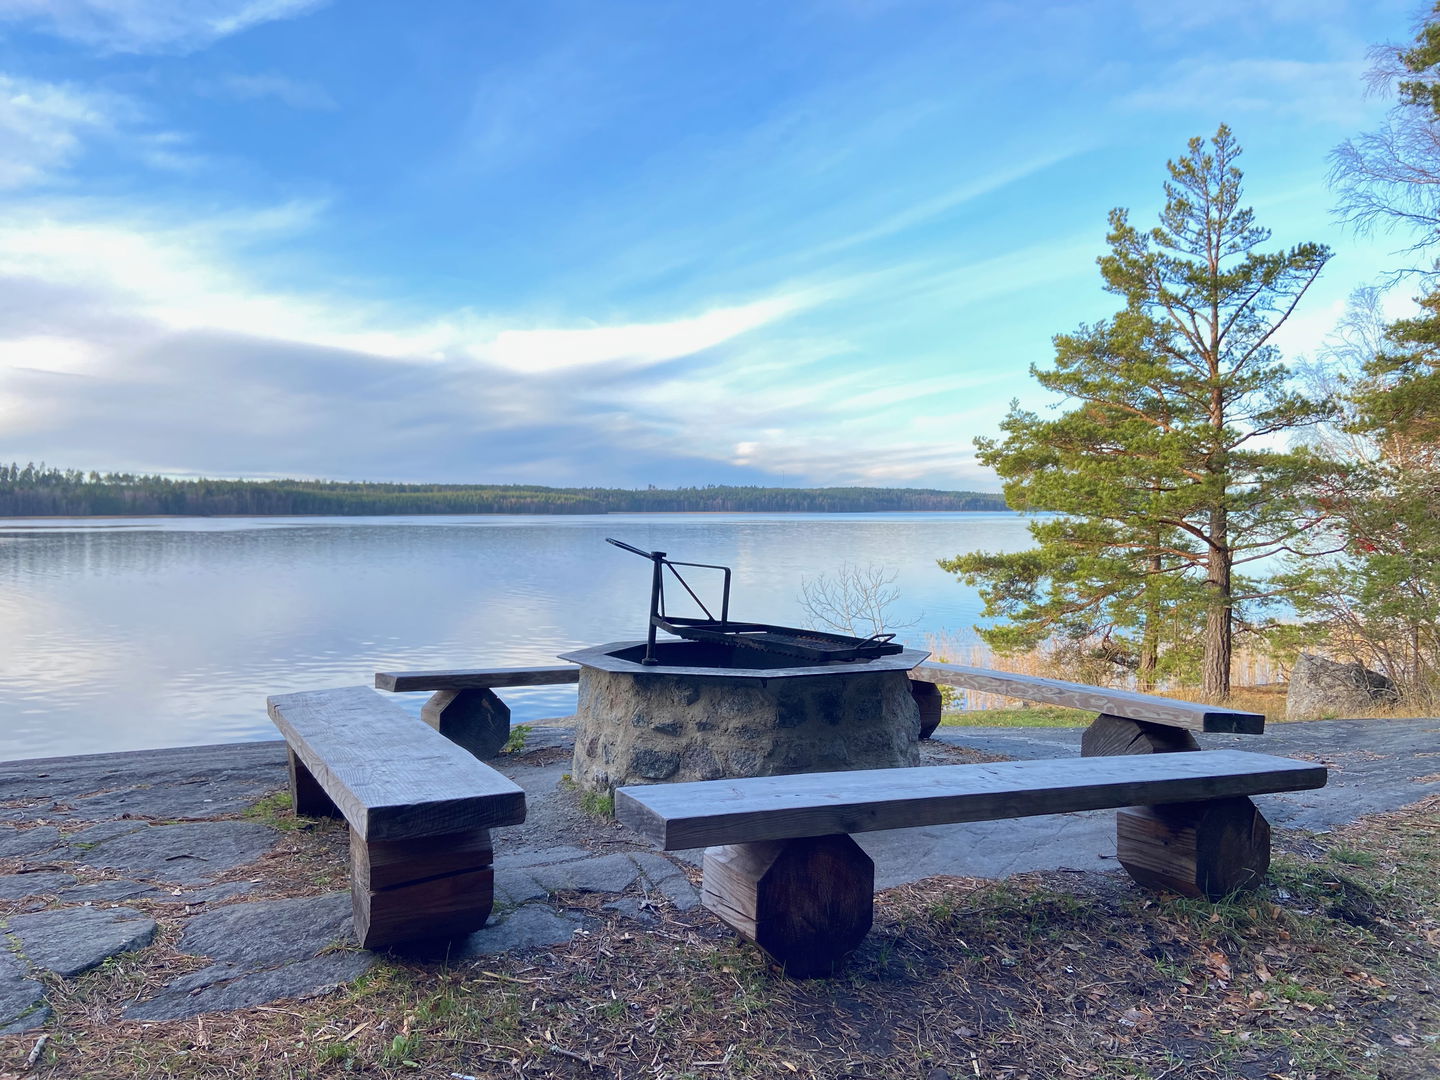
pixel 1114 736
pixel 307 797
pixel 476 720
pixel 420 811
pixel 792 880
pixel 808 902
pixel 447 878
pixel 1208 849
pixel 930 703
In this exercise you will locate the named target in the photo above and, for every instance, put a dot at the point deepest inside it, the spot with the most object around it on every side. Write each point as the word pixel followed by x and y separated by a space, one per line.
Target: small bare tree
pixel 853 600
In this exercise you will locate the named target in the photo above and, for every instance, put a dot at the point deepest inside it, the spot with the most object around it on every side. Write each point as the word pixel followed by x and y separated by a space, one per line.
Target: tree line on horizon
pixel 1198 490
pixel 39 491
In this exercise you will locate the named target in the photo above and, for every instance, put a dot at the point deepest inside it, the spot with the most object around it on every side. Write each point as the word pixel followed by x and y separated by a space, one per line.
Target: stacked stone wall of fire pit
pixel 643 728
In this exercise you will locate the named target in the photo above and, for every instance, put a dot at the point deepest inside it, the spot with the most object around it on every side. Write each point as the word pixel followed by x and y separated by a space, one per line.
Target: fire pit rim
pixel 601 658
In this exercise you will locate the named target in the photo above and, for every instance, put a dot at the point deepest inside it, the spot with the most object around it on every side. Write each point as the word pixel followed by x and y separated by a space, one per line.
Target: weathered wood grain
pixel 705 813
pixel 807 903
pixel 1206 849
pixel 443 907
pixel 475 679
pixel 384 864
pixel 1123 703
pixel 391 774
pixel 1114 736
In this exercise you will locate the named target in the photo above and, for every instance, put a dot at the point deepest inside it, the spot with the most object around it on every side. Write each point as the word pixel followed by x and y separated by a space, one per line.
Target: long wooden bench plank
pixel 704 813
pixel 475 679
pixel 394 779
pixel 1124 703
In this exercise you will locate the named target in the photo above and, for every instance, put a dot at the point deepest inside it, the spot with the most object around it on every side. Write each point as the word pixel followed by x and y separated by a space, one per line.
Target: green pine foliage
pixel 1168 468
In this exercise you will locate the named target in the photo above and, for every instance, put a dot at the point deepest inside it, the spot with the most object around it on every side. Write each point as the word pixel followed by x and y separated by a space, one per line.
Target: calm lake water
pixel 122 634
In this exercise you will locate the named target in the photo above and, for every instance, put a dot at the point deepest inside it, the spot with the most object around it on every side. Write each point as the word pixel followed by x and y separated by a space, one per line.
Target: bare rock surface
pixel 26 843
pixel 40 883
pixel 67 941
pixel 185 854
pixel 110 891
pixel 262 951
pixel 533 926
pixel 22 999
pixel 145 783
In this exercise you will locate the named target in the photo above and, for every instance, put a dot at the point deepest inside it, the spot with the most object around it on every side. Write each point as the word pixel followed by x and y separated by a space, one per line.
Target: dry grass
pixel 1328 972
pixel 1259 687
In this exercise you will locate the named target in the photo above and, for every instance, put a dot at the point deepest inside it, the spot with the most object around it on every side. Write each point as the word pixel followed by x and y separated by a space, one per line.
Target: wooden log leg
pixel 474 719
pixel 307 797
pixel 927 698
pixel 807 903
pixel 414 890
pixel 1206 849
pixel 1112 736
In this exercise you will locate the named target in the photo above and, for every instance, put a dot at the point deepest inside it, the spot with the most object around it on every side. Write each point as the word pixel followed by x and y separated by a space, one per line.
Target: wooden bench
pixel 781 868
pixel 465 708
pixel 420 811
pixel 1127 722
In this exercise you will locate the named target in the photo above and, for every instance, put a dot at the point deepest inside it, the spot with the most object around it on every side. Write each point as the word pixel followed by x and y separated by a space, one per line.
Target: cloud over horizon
pixel 812 245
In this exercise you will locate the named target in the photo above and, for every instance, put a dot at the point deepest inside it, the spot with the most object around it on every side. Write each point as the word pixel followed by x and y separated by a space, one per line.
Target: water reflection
pixel 124 634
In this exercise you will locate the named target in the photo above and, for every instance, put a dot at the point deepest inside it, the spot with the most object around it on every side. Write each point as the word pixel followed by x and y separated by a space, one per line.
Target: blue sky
pixel 619 243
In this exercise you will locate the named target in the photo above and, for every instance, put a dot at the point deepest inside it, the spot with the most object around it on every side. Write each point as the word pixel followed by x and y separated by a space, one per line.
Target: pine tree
pixel 1166 468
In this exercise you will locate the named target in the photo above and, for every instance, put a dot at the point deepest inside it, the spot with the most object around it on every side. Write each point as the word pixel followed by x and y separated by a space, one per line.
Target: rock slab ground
pixel 82 840
pixel 105 835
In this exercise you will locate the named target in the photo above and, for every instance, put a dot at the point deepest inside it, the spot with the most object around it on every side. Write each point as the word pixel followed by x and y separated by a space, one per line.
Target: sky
pixel 798 242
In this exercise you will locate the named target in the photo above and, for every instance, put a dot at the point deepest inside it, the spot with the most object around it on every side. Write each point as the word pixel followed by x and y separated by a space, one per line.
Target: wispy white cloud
pixel 148 26
pixel 152 336
pixel 44 126
pixel 296 93
pixel 1332 89
pixel 184 277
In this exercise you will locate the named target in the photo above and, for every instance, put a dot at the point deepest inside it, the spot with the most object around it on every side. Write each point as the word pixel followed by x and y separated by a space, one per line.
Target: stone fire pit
pixel 707 712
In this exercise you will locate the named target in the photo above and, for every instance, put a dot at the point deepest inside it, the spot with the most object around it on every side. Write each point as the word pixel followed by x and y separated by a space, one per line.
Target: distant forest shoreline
pixel 38 491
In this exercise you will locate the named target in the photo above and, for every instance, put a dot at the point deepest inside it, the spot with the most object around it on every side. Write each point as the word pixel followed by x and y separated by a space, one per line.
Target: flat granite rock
pixel 184 799
pixel 22 1000
pixel 608 873
pixel 514 887
pixel 22 843
pixel 533 926
pixel 108 892
pixel 263 951
pixel 105 830
pixel 668 879
pixel 222 986
pixel 228 891
pixel 544 857
pixel 68 941
pixel 40 883
pixel 185 854
pixel 266 933
pixel 249 767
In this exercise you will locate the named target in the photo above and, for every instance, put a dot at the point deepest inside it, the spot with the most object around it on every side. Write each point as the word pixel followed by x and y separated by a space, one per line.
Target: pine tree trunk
pixel 1219 627
pixel 1150 636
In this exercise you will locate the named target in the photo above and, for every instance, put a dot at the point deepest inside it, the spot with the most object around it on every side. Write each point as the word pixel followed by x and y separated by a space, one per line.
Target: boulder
pixel 1323 688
